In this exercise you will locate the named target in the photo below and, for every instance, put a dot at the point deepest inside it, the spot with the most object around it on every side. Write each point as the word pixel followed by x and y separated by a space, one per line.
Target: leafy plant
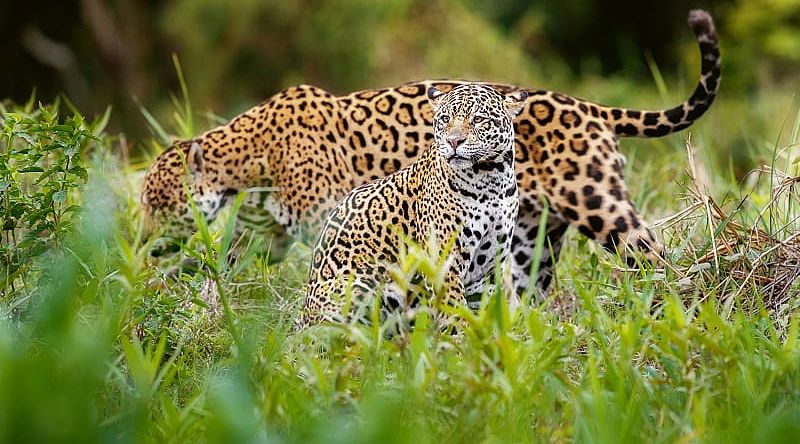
pixel 41 168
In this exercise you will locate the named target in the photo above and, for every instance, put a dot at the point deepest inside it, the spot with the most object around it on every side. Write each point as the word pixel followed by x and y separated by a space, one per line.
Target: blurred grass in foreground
pixel 99 344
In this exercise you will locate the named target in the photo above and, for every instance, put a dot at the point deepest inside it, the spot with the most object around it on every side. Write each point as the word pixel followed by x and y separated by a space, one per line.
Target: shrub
pixel 41 170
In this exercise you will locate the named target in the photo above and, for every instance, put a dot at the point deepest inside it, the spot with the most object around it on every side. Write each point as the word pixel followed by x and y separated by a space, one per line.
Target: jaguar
pixel 463 187
pixel 296 154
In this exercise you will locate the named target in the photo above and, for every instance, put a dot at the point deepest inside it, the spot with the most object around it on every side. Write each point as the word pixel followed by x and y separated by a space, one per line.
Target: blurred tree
pixel 766 31
pixel 35 49
pixel 273 43
pixel 597 36
pixel 258 47
pixel 96 52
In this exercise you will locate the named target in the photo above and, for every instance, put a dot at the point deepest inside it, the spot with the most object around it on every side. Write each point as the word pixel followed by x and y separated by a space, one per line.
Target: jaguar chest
pixel 489 206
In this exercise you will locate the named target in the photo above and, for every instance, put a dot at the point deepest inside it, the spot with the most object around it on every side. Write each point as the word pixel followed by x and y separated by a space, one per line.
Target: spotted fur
pixel 463 187
pixel 312 147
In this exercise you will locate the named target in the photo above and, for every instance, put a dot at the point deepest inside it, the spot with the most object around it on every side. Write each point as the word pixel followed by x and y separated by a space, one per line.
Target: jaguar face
pixel 177 174
pixel 474 123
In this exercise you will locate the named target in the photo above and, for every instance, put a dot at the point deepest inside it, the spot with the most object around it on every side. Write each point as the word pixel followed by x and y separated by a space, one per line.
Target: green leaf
pixel 63 128
pixel 17 210
pixel 79 171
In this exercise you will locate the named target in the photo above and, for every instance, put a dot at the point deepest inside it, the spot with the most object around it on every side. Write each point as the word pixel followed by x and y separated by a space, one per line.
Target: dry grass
pixel 748 256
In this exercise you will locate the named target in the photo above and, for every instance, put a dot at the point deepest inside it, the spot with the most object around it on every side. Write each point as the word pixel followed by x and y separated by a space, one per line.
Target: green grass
pixel 99 343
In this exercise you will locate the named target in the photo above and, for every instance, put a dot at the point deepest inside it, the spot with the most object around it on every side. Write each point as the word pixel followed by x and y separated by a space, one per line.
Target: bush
pixel 41 171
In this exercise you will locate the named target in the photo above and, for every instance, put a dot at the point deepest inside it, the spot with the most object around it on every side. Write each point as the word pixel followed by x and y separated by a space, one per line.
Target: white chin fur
pixel 459 163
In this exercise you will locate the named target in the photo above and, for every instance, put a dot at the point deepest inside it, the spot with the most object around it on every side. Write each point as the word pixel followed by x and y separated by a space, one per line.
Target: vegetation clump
pixel 99 343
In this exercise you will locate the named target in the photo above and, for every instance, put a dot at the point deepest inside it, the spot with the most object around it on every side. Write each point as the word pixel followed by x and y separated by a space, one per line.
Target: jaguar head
pixel 474 123
pixel 177 174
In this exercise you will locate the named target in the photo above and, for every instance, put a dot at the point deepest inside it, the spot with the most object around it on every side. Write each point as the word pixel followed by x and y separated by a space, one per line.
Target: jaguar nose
pixel 455 140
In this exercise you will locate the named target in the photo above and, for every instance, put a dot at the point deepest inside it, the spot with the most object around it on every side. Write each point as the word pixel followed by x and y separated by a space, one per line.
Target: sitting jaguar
pixel 308 148
pixel 463 187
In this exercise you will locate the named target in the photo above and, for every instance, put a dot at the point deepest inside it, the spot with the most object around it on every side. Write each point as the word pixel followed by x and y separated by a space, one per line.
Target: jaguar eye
pixel 478 120
pixel 444 119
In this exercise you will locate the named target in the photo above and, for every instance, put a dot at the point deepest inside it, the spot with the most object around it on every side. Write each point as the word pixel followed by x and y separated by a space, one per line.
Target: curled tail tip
pixel 701 22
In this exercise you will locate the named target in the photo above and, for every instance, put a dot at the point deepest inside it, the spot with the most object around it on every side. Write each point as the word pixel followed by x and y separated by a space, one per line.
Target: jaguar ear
pixel 435 98
pixel 515 101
